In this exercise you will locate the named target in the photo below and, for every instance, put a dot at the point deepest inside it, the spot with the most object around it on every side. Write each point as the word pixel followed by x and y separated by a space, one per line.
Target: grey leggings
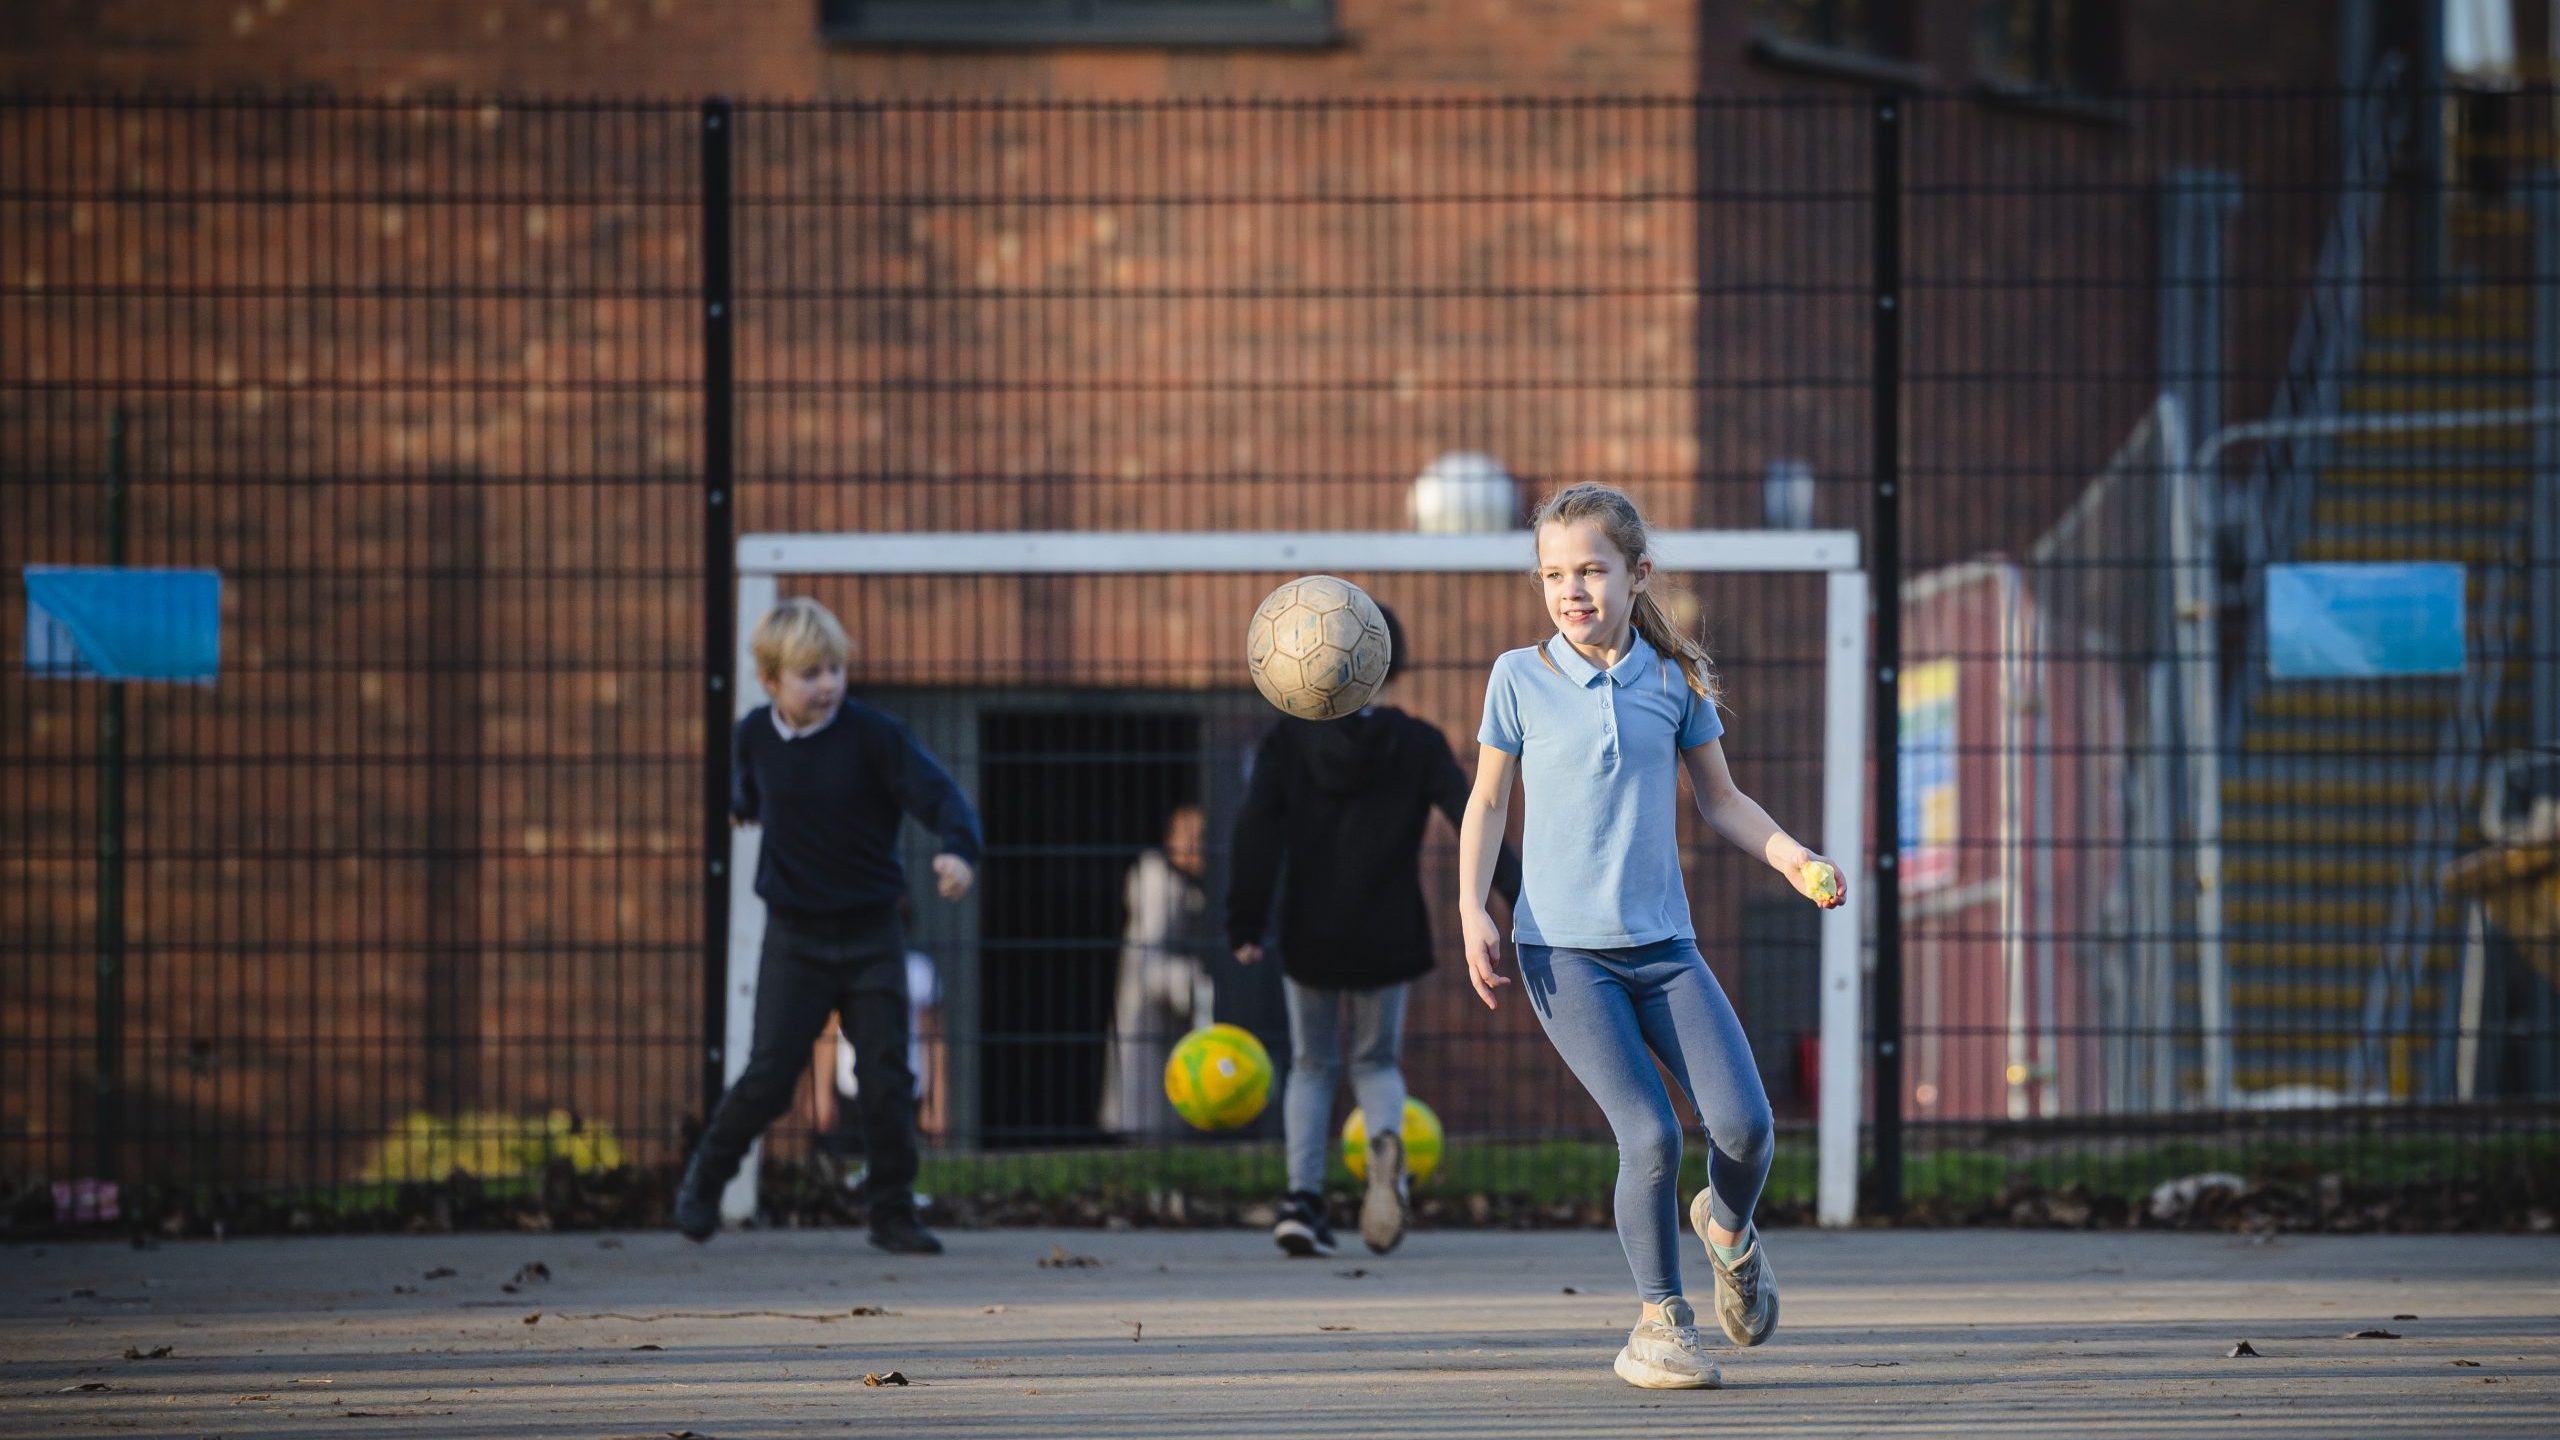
pixel 1315 1069
pixel 1611 1013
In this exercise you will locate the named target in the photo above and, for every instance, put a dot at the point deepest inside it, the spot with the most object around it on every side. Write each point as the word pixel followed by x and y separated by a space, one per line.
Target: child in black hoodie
pixel 1342 805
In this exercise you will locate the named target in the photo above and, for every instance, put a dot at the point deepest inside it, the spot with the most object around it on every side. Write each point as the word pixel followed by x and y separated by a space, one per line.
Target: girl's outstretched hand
pixel 1820 881
pixel 1484 954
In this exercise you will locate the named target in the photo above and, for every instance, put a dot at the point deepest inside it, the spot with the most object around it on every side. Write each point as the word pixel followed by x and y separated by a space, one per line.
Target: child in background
pixel 829 779
pixel 1341 806
pixel 1597 722
pixel 1164 990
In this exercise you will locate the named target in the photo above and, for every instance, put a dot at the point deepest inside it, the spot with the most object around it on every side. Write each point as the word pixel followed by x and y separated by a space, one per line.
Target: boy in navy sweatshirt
pixel 829 779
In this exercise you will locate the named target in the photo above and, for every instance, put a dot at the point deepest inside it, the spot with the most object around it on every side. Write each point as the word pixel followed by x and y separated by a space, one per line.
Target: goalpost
pixel 762 559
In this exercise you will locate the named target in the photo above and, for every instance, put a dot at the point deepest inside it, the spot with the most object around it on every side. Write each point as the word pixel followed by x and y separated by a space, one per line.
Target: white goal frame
pixel 763 559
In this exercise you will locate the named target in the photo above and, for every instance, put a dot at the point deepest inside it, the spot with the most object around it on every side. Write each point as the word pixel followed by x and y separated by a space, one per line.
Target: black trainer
pixel 1301 1229
pixel 698 1202
pixel 898 1233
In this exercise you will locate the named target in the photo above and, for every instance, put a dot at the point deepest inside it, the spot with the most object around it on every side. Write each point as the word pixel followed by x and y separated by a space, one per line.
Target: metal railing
pixel 2267 516
pixel 2413 930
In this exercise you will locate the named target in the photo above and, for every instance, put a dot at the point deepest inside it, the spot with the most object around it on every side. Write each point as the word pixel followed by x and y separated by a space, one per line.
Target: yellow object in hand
pixel 1822 881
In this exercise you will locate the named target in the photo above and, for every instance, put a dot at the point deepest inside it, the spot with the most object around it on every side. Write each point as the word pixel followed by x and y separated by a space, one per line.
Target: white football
pixel 1318 647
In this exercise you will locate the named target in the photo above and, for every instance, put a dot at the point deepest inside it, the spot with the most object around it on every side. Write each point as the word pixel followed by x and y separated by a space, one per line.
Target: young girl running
pixel 1596 722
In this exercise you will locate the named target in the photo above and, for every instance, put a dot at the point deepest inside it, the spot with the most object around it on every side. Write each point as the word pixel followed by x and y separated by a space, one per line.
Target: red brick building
pixel 420 368
pixel 688 48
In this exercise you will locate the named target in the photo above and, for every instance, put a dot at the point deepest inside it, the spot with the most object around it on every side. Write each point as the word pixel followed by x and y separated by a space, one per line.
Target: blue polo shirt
pixel 1599 760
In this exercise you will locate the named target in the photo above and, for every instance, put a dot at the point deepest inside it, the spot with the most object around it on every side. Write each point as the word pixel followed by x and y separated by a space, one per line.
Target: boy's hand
pixel 1483 946
pixel 952 876
pixel 1249 953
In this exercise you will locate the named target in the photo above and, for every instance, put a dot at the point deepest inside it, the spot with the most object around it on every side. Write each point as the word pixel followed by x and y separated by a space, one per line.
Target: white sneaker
pixel 1669 1353
pixel 1382 1209
pixel 1746 1290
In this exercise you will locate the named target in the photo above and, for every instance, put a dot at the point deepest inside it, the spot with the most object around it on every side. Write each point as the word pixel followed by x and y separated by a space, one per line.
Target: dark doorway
pixel 1069 798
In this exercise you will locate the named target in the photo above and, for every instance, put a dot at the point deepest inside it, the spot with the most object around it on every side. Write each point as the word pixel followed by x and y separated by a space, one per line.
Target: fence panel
pixel 416 885
pixel 414 876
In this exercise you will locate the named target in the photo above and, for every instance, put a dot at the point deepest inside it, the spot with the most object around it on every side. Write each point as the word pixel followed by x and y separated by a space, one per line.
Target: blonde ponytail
pixel 1654 624
pixel 1619 519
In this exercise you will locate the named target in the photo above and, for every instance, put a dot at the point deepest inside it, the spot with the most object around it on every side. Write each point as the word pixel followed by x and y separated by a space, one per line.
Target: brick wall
pixel 649 48
pixel 422 379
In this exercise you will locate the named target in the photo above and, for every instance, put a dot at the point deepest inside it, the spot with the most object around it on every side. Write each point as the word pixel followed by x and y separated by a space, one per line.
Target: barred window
pixel 2061 46
pixel 1077 22
pixel 1877 28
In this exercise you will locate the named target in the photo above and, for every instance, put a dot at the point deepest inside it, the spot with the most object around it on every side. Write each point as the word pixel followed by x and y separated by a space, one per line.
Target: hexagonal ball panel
pixel 1297 630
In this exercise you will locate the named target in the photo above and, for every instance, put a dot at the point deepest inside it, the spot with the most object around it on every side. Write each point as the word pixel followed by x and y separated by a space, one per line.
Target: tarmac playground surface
pixel 1188 1333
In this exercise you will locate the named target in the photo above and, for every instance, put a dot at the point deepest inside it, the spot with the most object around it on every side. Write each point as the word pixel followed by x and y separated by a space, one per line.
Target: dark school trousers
pixel 855 967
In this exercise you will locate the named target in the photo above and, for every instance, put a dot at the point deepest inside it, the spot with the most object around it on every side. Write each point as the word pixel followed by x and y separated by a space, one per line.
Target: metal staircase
pixel 2340 790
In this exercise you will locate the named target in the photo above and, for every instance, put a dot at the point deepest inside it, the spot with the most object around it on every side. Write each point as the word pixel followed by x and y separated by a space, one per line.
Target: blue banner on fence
pixel 116 623
pixel 2364 621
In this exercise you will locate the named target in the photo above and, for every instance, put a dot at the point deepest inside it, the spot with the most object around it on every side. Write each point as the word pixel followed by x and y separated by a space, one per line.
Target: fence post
pixel 2430 246
pixel 2196 206
pixel 1847 606
pixel 719 585
pixel 2196 209
pixel 1885 560
pixel 2542 623
pixel 110 961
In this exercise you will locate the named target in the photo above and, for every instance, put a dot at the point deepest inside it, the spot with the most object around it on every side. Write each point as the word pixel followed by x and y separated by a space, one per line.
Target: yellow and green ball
pixel 1218 1077
pixel 1421 1142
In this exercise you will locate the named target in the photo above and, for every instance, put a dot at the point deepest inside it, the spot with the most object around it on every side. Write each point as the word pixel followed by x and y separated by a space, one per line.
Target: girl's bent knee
pixel 1753 1143
pixel 1651 1154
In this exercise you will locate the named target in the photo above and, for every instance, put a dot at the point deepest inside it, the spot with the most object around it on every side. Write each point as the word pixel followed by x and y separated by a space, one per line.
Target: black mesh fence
pixel 2197 453
pixel 2209 702
pixel 416 875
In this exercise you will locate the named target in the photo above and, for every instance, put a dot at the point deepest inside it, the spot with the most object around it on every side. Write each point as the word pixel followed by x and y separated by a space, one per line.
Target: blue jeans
pixel 1315 1069
pixel 1611 1014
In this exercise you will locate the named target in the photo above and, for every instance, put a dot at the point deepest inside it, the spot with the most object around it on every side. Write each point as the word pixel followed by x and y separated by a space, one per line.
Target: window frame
pixel 983 24
pixel 1893 63
pixel 2069 73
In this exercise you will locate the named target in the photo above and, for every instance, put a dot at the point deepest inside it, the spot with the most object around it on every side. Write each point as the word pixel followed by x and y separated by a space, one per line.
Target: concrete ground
pixel 1907 1333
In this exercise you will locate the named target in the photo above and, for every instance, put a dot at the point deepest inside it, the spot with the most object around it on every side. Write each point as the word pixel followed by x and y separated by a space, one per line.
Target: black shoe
pixel 898 1233
pixel 698 1202
pixel 1301 1229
